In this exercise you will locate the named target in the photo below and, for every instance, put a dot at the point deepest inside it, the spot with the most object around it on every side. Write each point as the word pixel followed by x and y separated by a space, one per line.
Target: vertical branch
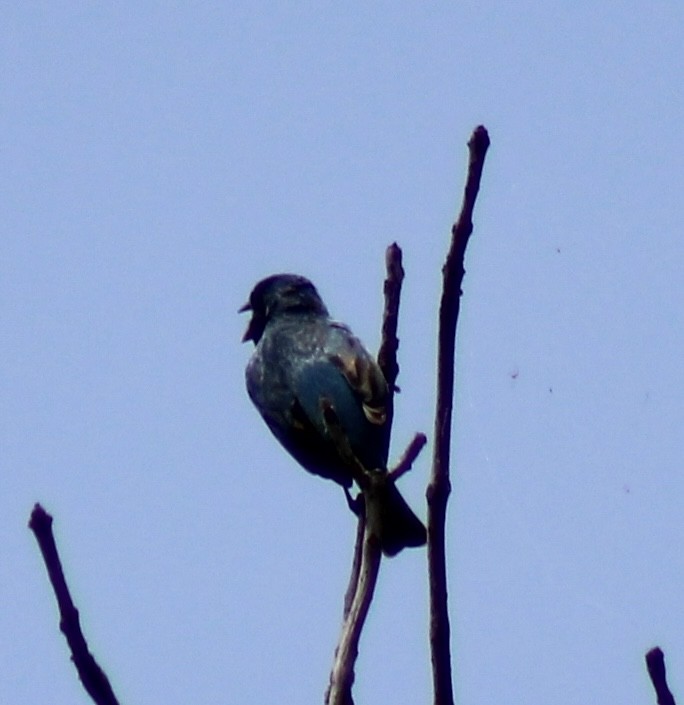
pixel 367 556
pixel 440 486
pixel 387 354
pixel 655 663
pixel 92 676
pixel 356 560
pixel 342 674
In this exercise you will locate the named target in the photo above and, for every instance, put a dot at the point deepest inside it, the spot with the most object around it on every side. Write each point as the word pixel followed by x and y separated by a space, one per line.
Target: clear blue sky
pixel 160 158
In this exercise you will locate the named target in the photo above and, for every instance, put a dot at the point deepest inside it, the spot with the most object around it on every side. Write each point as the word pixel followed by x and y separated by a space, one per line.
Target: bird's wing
pixel 326 401
pixel 361 372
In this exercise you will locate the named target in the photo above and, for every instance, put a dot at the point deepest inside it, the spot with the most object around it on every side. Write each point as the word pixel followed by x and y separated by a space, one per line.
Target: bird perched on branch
pixel 323 397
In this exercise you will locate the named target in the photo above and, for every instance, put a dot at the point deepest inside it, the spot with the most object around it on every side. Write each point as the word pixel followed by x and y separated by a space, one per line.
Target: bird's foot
pixel 356 504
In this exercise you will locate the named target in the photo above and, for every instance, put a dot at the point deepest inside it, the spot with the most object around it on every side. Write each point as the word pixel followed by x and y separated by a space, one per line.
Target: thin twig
pixel 410 454
pixel 387 354
pixel 440 486
pixel 92 676
pixel 655 663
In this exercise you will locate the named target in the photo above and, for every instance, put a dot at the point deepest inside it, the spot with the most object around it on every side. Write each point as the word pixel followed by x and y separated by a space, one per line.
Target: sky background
pixel 160 158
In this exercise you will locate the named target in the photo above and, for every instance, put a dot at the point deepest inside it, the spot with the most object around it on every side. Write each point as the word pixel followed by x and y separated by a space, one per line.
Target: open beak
pixel 249 333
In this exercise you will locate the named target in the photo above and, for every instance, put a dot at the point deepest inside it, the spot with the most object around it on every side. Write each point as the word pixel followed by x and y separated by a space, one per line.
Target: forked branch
pixel 367 553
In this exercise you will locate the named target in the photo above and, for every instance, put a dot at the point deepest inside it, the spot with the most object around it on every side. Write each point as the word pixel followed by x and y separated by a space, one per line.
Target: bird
pixel 323 396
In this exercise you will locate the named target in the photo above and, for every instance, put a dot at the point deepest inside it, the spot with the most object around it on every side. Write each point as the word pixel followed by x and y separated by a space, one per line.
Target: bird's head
pixel 278 294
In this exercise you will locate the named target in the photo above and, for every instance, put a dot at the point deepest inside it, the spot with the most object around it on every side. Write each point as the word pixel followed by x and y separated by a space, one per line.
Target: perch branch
pixel 342 675
pixel 92 676
pixel 440 486
pixel 387 360
pixel 367 554
pixel 364 570
pixel 356 565
pixel 655 663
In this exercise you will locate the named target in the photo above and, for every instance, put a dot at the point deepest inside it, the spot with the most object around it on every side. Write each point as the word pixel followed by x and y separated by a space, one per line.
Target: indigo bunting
pixel 323 396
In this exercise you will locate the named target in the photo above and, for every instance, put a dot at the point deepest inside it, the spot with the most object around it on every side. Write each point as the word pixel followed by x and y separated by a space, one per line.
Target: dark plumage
pixel 306 370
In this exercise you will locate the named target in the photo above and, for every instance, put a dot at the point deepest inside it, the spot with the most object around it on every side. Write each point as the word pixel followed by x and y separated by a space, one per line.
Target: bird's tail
pixel 398 526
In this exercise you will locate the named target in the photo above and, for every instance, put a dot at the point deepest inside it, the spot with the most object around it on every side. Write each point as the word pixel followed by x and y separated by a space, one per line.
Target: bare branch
pixel 342 675
pixel 409 457
pixel 92 676
pixel 367 555
pixel 387 354
pixel 440 487
pixel 358 552
pixel 362 583
pixel 655 663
